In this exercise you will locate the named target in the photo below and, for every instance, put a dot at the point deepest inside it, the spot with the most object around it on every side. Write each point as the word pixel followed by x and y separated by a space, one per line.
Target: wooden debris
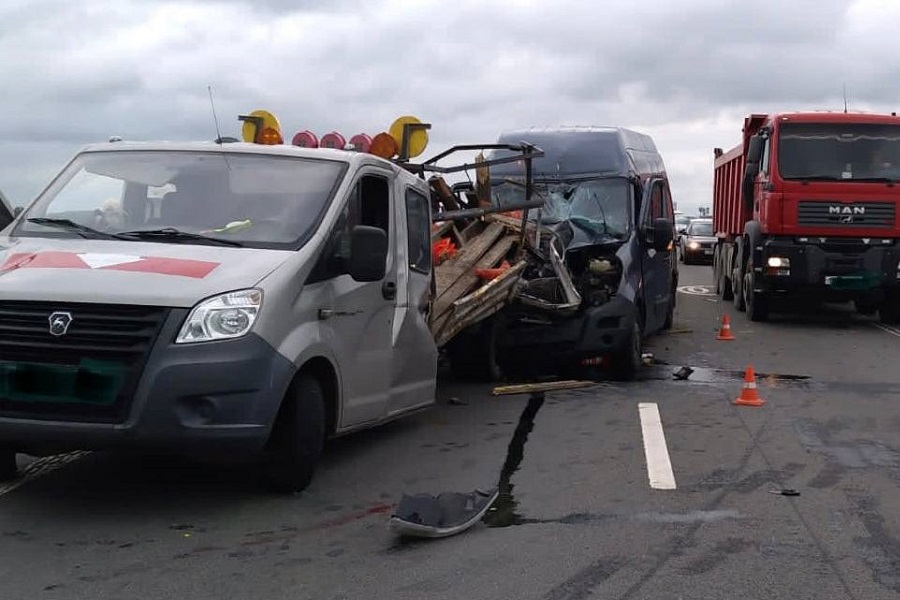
pixel 444 193
pixel 536 388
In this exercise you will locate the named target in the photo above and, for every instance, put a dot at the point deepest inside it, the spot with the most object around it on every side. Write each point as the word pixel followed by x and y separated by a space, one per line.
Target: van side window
pixel 368 204
pixel 418 231
pixel 668 207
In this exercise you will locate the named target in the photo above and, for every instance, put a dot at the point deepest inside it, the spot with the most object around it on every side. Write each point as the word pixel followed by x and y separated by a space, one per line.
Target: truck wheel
pixel 297 438
pixel 625 366
pixel 757 305
pixel 723 284
pixel 9 470
pixel 473 355
pixel 889 309
pixel 737 277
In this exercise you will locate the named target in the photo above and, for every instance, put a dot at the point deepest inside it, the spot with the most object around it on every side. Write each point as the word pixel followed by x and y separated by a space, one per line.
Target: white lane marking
pixel 40 467
pixel 659 467
pixel 696 290
pixel 887 328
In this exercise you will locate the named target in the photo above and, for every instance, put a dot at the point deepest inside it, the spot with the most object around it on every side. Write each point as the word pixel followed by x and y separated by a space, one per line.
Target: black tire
pixel 473 354
pixel 717 270
pixel 9 470
pixel 737 285
pixel 297 439
pixel 725 287
pixel 625 366
pixel 757 305
pixel 889 309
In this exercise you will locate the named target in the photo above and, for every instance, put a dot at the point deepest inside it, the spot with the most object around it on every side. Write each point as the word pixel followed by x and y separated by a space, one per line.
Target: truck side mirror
pixel 661 234
pixel 368 253
pixel 755 148
pixel 750 172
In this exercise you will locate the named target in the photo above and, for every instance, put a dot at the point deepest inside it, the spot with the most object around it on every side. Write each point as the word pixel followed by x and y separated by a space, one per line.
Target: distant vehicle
pixel 681 222
pixel 697 242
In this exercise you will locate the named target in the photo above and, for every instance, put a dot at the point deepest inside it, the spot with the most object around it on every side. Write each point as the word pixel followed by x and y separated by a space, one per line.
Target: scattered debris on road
pixel 682 373
pixel 446 514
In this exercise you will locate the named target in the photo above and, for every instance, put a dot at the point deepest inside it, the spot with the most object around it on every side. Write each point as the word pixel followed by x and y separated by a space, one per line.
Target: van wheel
pixel 297 438
pixel 9 470
pixel 473 355
pixel 625 366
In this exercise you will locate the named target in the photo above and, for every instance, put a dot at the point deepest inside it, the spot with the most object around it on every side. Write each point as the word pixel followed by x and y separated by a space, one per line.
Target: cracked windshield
pixel 325 301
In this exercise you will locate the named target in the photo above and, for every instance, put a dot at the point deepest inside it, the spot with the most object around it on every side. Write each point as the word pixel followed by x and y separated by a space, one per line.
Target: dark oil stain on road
pixel 706 375
pixel 503 512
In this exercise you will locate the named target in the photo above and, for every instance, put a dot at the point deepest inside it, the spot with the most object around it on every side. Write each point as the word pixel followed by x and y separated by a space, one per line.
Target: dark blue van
pixel 608 224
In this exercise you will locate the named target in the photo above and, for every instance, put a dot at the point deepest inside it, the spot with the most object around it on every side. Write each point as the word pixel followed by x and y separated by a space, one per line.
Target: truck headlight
pixel 778 262
pixel 221 317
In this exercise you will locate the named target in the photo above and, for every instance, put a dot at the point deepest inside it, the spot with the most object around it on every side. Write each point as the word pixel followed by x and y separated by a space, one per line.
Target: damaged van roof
pixel 571 152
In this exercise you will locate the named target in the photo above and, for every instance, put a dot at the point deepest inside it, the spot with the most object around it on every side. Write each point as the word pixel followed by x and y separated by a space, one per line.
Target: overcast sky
pixel 684 71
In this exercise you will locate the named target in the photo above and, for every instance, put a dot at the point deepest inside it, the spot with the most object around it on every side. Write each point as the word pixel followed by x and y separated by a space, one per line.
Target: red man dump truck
pixel 805 209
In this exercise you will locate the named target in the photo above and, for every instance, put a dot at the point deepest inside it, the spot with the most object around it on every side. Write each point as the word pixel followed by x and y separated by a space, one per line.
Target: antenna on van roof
pixel 845 98
pixel 215 118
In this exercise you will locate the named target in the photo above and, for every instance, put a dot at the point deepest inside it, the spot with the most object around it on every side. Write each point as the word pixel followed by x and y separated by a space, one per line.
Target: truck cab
pixel 225 299
pixel 607 223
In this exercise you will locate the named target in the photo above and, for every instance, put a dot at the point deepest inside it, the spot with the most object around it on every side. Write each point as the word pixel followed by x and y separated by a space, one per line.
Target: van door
pixel 656 265
pixel 415 354
pixel 359 319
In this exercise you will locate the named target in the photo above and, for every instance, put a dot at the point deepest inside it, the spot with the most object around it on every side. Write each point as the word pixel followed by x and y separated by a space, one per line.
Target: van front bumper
pixel 596 332
pixel 210 397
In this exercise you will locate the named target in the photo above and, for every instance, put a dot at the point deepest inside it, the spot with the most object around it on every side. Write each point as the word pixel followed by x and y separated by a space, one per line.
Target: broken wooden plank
pixel 482 181
pixel 447 274
pixel 539 388
pixel 472 230
pixel 444 193
pixel 479 305
pixel 464 276
pixel 441 230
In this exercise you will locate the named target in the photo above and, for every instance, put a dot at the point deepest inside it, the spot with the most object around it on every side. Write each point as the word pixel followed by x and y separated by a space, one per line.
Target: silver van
pixel 232 299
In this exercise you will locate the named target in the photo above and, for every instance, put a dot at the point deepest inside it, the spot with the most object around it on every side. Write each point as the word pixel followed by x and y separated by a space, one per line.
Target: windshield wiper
pixel 70 225
pixel 816 178
pixel 172 234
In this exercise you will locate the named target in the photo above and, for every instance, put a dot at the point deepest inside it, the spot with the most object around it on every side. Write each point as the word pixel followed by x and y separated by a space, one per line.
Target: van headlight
pixel 222 317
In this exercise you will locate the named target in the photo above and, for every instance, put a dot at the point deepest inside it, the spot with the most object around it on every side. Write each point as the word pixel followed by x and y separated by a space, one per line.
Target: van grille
pixel 101 338
pixel 846 214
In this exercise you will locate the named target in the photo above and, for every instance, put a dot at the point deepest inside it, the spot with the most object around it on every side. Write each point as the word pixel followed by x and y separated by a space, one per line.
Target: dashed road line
pixel 659 466
pixel 40 467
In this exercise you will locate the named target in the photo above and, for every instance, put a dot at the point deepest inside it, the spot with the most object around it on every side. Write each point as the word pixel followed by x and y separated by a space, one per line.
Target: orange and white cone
pixel 725 330
pixel 749 395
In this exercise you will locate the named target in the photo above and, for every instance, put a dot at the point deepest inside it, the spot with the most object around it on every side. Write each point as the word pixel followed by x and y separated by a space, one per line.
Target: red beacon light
pixel 333 140
pixel 361 142
pixel 305 139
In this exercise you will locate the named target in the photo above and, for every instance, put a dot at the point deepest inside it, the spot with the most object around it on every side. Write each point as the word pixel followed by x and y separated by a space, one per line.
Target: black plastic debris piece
pixel 682 373
pixel 446 514
pixel 785 492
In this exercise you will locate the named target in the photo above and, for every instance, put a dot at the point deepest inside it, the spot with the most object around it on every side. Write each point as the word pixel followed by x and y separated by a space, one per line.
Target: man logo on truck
pixel 59 323
pixel 846 210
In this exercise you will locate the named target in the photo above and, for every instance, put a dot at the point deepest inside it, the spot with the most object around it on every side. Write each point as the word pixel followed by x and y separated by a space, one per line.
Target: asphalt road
pixel 582 520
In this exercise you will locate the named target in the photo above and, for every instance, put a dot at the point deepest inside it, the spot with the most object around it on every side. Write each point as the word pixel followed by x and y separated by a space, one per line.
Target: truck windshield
pixel 600 206
pixel 839 151
pixel 251 200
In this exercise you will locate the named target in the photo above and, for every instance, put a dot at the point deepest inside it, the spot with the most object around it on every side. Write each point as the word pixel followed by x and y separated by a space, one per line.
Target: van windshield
pixel 251 200
pixel 839 151
pixel 598 206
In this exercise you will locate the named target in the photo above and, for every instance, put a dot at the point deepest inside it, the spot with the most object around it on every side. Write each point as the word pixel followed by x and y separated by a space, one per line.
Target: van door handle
pixel 389 290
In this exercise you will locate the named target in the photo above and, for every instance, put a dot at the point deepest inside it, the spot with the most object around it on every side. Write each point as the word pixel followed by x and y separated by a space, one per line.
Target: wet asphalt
pixel 577 517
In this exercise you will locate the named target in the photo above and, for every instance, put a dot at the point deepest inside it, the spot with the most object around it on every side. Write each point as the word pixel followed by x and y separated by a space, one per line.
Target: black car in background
pixel 698 242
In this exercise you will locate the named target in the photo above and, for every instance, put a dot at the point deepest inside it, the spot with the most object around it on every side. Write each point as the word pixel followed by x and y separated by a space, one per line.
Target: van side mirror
pixel 661 234
pixel 368 253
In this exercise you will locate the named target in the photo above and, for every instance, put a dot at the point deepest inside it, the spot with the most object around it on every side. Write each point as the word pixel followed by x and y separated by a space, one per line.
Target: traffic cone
pixel 725 330
pixel 749 395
